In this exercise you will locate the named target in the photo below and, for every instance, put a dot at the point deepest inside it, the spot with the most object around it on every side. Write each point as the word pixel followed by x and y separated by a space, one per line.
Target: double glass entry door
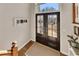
pixel 48 29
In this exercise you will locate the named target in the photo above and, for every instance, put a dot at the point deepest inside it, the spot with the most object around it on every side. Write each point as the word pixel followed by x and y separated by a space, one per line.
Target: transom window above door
pixel 48 7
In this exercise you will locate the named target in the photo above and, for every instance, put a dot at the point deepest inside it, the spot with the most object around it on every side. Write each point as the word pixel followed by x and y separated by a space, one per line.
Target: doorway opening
pixel 48 29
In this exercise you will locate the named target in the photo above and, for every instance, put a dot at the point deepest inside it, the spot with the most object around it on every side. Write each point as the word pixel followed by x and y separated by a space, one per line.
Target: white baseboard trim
pixel 23 45
pixel 33 39
pixel 64 53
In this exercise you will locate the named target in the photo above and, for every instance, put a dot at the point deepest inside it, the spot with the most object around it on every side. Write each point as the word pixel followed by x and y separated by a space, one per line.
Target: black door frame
pixel 58 25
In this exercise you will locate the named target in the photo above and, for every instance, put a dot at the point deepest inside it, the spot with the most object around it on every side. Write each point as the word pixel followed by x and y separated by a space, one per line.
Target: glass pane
pixel 49 7
pixel 55 26
pixel 52 25
pixel 40 24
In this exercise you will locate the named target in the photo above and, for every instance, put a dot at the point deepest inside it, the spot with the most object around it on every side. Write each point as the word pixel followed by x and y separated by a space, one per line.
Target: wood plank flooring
pixel 36 49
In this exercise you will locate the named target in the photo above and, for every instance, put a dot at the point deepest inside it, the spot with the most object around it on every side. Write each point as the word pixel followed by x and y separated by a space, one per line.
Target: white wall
pixel 66 27
pixel 33 23
pixel 10 32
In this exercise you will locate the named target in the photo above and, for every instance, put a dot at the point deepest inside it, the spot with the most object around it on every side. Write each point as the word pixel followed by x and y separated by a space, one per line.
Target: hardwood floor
pixel 36 49
pixel 25 48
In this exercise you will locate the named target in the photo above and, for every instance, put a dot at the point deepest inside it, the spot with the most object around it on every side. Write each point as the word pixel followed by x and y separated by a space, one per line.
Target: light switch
pixel 17 22
pixel 21 21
